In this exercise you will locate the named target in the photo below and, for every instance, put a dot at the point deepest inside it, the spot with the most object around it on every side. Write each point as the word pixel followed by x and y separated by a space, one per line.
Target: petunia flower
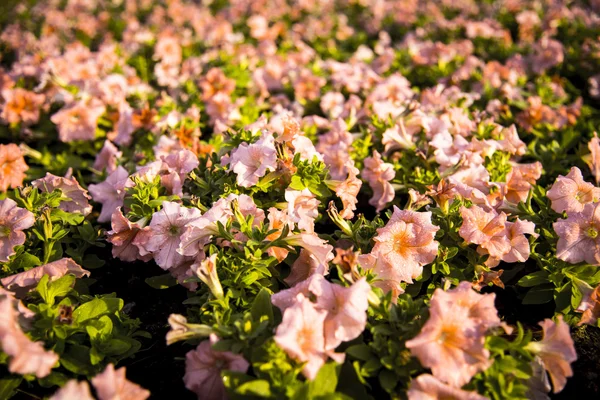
pixel 404 245
pixel 26 357
pixel 183 330
pixel 590 306
pixel 162 236
pixel 13 221
pixel 593 161
pixel 520 179
pixel 112 384
pixel 21 106
pixel 73 390
pixel 24 282
pixel 203 368
pixel 78 197
pixel 107 158
pixel 252 161
pixel 122 237
pixel 485 228
pixel 379 174
pixel 12 166
pixel 578 236
pixel 302 208
pixel 348 190
pixel 110 193
pixel 571 193
pixel 427 387
pixel 556 351
pixel 78 121
pixel 451 343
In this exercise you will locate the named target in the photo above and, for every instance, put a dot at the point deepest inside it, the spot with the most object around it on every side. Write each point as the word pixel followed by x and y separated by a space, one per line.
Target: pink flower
pixel 485 228
pixel 278 220
pixel 26 357
pixel 122 237
pixel 73 390
pixel 519 245
pixel 252 161
pixel 404 245
pixel 163 236
pixel 21 105
pixel 23 282
pixel 319 248
pixel 203 368
pixel 107 158
pixel 13 221
pixel 519 181
pixel 451 343
pixel 427 387
pixel 12 166
pixel 302 208
pixel 348 190
pixel 546 54
pixel 111 384
pixel 594 159
pixel 590 307
pixel 78 121
pixel 305 266
pixel 300 334
pixel 379 174
pixel 110 193
pixel 70 188
pixel 556 350
pixel 570 193
pixel 579 236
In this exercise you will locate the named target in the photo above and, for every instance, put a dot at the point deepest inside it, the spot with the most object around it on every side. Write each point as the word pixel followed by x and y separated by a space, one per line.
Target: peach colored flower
pixel 110 193
pixel 13 221
pixel 203 368
pixel 579 236
pixel 26 357
pixel 73 390
pixel 590 307
pixel 485 228
pixel 379 174
pixel 305 266
pixel 12 166
pixel 21 105
pixel 252 161
pixel 348 190
pixel 556 351
pixel 570 193
pixel 24 282
pixel 123 235
pixel 112 384
pixel 451 343
pixel 70 188
pixel 107 158
pixel 404 245
pixel 78 121
pixel 520 179
pixel 162 236
pixel 546 54
pixel 302 208
pixel 427 387
pixel 277 221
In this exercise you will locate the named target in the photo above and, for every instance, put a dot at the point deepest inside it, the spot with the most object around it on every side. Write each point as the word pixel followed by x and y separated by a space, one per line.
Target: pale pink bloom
pixel 556 351
pixel 594 159
pixel 168 48
pixel 519 245
pixel 312 287
pixel 107 158
pixel 124 128
pixel 305 266
pixel 110 193
pixel 23 282
pixel 13 221
pixel 511 141
pixel 397 138
pixel 112 384
pixel 181 161
pixel 590 306
pixel 546 54
pixel 78 121
pixel 73 390
pixel 21 105
pixel 404 245
pixel 277 220
pixel 348 190
pixel 451 344
pixel 12 166
pixel 332 104
pixel 252 161
pixel 427 387
pixel 485 228
pixel 571 193
pixel 319 248
pixel 301 335
pixel 70 188
pixel 520 179
pixel 303 208
pixel 203 368
pixel 379 174
pixel 162 236
pixel 122 236
pixel 579 236
pixel 165 146
pixel 449 150
pixel 305 147
pixel 26 357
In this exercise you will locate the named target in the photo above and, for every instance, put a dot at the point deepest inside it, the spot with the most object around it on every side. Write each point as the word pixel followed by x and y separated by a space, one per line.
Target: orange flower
pixel 12 166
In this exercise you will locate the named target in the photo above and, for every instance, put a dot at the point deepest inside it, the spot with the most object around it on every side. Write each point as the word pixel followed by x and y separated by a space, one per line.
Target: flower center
pixel 4 231
pixel 592 232
pixel 174 230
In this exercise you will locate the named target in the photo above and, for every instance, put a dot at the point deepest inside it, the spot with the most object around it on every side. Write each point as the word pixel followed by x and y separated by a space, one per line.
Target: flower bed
pixel 346 199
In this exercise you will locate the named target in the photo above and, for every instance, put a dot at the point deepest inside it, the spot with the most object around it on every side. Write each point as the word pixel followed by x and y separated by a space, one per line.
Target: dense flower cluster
pixel 356 198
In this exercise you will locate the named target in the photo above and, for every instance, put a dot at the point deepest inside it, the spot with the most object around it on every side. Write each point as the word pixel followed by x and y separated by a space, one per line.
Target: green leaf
pixel 539 295
pixel 96 308
pixel 262 307
pixel 161 281
pixel 8 385
pixel 360 351
pixel 388 380
pixel 59 288
pixel 535 279
pixel 259 387
pixel 42 288
pixel 326 380
pixel 24 261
